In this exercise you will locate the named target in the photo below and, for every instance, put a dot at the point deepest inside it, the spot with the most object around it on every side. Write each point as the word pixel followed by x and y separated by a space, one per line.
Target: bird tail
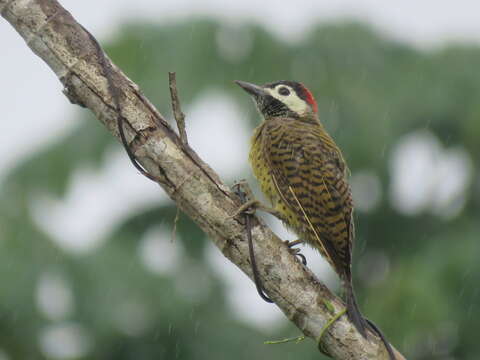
pixel 353 312
pixel 361 323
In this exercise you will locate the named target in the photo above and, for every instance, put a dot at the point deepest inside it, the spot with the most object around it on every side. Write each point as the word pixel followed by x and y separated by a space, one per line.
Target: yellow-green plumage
pixel 302 172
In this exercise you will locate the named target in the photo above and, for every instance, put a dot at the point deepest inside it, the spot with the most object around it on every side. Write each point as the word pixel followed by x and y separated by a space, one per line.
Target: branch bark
pixel 54 35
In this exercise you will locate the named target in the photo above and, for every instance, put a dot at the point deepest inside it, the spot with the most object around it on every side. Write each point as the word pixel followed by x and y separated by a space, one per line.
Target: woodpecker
pixel 304 175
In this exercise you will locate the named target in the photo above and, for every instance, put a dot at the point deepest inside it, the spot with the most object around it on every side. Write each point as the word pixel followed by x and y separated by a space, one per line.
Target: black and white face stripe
pixel 291 95
pixel 297 87
pixel 269 106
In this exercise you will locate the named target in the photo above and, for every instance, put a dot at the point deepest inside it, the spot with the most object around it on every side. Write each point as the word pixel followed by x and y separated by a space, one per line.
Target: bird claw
pixel 248 208
pixel 249 205
pixel 296 252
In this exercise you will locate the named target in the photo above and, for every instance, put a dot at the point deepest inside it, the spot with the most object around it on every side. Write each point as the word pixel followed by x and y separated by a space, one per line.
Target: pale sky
pixel 35 112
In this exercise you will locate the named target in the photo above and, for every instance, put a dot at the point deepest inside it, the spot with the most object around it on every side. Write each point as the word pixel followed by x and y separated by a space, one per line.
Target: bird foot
pixel 248 208
pixel 251 205
pixel 293 243
pixel 296 252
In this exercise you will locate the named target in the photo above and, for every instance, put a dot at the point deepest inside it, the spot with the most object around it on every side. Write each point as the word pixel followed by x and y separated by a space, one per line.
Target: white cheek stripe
pixel 295 104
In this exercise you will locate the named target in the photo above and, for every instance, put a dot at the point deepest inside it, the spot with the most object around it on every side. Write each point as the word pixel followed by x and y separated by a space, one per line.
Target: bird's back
pixel 302 172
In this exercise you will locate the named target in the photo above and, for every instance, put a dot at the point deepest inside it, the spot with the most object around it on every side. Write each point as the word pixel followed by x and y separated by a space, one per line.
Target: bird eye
pixel 284 91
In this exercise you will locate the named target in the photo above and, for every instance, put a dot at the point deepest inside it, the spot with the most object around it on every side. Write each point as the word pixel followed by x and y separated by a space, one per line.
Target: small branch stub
pixel 177 110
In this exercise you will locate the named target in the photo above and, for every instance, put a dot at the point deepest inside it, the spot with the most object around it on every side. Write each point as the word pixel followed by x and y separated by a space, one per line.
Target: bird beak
pixel 254 90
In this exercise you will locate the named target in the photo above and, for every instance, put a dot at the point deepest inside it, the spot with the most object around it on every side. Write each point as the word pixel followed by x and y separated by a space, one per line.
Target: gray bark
pixel 54 35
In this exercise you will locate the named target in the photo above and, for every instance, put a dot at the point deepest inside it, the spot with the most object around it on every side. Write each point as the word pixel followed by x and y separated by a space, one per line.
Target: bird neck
pixel 310 118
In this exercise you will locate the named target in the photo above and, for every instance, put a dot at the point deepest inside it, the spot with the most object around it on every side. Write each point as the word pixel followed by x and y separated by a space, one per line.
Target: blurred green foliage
pixel 371 91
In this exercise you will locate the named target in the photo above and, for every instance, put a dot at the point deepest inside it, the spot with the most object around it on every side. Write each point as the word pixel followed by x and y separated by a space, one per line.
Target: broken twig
pixel 177 110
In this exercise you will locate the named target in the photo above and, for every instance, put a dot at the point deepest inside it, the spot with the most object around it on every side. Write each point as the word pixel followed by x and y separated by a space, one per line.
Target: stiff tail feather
pixel 361 323
pixel 353 311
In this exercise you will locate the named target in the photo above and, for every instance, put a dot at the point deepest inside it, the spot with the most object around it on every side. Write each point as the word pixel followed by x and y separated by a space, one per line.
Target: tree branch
pixel 54 35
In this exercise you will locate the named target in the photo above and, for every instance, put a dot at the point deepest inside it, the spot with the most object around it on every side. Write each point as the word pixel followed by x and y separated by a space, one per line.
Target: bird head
pixel 282 99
